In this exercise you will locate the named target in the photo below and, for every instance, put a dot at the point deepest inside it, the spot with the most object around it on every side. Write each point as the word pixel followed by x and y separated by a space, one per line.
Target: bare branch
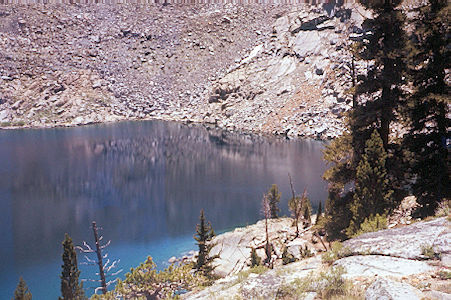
pixel 89 260
pixel 115 273
pixel 106 245
pixel 87 250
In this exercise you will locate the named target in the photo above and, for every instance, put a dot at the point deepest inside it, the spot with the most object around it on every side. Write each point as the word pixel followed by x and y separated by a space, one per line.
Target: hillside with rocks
pixel 387 264
pixel 267 69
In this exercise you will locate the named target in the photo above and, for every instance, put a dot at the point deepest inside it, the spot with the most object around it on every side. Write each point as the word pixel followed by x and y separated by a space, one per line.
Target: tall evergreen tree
pixel 319 213
pixel 377 98
pixel 379 92
pixel 428 106
pixel 274 199
pixel 204 235
pixel 22 292
pixel 372 193
pixel 70 286
pixel 340 155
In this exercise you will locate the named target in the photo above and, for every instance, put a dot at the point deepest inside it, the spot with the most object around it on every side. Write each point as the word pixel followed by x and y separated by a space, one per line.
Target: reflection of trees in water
pixel 142 181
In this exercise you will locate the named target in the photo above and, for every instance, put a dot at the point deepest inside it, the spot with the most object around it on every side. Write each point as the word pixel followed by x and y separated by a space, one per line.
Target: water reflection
pixel 142 181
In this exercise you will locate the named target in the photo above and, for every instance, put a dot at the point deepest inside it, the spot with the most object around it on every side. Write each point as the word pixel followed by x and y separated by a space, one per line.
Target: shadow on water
pixel 143 182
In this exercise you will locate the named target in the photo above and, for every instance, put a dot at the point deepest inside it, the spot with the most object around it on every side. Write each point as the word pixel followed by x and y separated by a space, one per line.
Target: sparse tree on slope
pixel 274 199
pixel 22 292
pixel 71 289
pixel 319 214
pixel 204 235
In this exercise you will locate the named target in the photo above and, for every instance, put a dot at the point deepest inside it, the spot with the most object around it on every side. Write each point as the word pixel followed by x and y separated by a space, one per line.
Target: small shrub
pixel 444 209
pixel 329 285
pixel 333 283
pixel 444 275
pixel 337 251
pixel 306 253
pixel 372 224
pixel 5 124
pixel 287 257
pixel 428 252
pixel 19 123
pixel 255 259
pixel 243 275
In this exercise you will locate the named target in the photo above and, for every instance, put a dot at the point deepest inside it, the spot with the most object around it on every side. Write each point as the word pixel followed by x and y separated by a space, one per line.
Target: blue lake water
pixel 144 183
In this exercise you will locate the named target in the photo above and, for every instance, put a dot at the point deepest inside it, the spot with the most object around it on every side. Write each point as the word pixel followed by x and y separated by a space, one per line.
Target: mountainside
pixel 268 69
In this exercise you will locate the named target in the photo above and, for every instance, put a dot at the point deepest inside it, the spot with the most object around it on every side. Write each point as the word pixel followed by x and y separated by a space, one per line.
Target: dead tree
pixel 266 211
pixel 295 206
pixel 106 268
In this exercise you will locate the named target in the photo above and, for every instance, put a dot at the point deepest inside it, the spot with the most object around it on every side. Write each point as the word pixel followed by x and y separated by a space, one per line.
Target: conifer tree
pixel 319 214
pixel 379 90
pixel 307 210
pixel 274 199
pixel 22 292
pixel 70 286
pixel 372 193
pixel 204 235
pixel 255 259
pixel 428 106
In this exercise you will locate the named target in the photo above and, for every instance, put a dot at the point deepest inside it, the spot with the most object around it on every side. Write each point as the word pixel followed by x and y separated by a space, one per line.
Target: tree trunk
pixel 99 259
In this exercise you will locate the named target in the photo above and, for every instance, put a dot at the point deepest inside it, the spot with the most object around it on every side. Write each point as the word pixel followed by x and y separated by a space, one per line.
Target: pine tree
pixel 372 194
pixel 428 106
pixel 204 235
pixel 274 199
pixel 319 214
pixel 255 259
pixel 307 210
pixel 379 92
pixel 22 292
pixel 70 286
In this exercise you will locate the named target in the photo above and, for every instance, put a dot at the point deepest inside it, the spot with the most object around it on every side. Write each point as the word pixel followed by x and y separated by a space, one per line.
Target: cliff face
pixel 272 69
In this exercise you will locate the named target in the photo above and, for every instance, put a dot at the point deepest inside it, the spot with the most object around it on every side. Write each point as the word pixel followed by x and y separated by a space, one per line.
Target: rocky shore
pixel 387 264
pixel 262 68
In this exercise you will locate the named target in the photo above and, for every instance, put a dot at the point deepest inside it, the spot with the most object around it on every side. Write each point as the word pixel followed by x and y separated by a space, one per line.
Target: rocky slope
pixel 387 264
pixel 269 69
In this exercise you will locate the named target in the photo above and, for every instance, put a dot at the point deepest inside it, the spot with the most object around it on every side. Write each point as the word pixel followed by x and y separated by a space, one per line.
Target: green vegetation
pixel 444 275
pixel 328 285
pixel 204 235
pixel 337 251
pixel 255 259
pixel 274 199
pixel 428 106
pixel 22 292
pixel 306 210
pixel 319 214
pixel 372 195
pixel 305 252
pixel 243 275
pixel 372 224
pixel 429 252
pixel 70 286
pixel 145 281
pixel 287 257
pixel 381 166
